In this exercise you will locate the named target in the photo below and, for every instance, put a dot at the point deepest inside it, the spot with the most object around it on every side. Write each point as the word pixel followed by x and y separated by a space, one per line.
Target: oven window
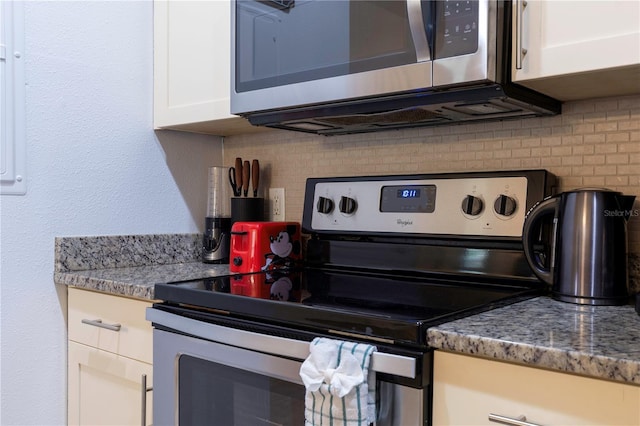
pixel 215 394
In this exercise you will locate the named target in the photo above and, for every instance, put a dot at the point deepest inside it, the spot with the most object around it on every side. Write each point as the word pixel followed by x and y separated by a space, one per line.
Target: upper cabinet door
pixel 192 43
pixel 577 50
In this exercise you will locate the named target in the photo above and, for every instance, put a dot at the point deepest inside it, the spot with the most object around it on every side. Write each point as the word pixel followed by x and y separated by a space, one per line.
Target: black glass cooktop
pixel 391 308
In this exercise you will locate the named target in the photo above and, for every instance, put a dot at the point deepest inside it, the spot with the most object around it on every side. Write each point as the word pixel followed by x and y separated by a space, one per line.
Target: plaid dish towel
pixel 340 389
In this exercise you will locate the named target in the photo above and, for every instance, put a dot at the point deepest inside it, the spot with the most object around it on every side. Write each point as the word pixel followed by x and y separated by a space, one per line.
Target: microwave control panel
pixel 456 28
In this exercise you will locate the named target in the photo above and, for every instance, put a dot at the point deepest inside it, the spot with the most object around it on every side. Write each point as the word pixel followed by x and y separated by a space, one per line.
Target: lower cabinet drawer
pixel 467 390
pixel 111 323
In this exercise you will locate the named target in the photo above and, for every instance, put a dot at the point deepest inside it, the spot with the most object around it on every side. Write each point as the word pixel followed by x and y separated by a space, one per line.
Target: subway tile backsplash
pixel 593 143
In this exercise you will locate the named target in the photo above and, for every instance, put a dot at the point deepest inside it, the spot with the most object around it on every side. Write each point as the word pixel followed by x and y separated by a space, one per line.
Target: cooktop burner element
pixel 387 257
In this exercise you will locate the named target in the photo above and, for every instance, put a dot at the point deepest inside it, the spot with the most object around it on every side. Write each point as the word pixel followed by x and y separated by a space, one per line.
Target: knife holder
pixel 247 209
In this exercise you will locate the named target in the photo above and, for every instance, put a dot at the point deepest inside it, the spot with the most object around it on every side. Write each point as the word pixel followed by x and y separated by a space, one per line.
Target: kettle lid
pixel 589 189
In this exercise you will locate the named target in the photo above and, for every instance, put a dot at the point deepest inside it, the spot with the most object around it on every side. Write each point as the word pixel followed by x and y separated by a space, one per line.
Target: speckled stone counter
pixel 601 342
pixel 130 265
pixel 596 341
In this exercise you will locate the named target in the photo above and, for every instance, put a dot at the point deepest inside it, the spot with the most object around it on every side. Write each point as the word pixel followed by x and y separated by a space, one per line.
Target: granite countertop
pixel 597 341
pixel 138 281
pixel 130 265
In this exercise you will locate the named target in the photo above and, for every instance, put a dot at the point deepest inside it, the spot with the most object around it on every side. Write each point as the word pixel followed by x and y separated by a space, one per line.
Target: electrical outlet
pixel 276 204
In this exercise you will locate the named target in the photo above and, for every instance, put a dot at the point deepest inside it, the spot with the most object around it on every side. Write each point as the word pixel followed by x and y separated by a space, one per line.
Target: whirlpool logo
pixel 404 222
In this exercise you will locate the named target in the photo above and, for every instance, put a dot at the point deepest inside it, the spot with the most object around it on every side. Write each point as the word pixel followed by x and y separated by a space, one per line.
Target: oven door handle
pixel 381 362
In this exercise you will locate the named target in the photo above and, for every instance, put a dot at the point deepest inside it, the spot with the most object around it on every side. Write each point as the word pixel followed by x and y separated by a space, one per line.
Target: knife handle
pixel 238 172
pixel 246 171
pixel 255 176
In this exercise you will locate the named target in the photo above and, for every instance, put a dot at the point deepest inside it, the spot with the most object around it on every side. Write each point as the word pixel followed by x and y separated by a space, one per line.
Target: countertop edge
pixel 138 282
pixel 610 368
pixel 112 287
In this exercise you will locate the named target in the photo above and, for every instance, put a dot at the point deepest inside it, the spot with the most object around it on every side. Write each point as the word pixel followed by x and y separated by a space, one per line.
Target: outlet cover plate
pixel 276 204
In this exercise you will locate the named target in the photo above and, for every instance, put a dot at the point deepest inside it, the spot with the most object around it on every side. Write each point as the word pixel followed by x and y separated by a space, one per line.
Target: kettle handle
pixel 542 209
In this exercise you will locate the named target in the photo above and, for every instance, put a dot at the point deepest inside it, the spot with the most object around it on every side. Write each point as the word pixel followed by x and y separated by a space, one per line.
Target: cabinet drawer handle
pixel 144 389
pixel 99 323
pixel 520 421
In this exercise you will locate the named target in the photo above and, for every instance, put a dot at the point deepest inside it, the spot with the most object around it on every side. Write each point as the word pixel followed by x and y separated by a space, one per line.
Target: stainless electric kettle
pixel 587 263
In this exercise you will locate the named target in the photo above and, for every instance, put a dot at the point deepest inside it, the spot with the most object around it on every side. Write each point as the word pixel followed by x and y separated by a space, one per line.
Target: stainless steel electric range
pixel 386 257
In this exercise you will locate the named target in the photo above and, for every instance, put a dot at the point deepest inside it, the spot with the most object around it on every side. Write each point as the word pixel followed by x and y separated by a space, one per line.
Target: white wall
pixel 94 167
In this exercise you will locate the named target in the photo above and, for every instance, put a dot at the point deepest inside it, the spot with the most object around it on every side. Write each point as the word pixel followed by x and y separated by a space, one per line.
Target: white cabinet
pixel 467 390
pixel 192 42
pixel 579 49
pixel 105 388
pixel 109 360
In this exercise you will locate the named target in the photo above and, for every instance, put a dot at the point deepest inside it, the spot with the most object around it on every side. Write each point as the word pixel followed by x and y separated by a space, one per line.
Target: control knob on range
pixel 325 205
pixel 472 206
pixel 348 205
pixel 505 205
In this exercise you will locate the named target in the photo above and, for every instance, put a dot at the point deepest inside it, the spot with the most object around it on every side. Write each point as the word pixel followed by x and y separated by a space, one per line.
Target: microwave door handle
pixel 418 30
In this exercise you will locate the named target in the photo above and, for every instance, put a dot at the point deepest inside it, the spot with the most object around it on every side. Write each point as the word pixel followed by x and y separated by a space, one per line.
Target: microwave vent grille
pixel 410 115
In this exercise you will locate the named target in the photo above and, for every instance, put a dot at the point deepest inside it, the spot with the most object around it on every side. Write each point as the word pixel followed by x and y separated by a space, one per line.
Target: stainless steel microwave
pixel 348 66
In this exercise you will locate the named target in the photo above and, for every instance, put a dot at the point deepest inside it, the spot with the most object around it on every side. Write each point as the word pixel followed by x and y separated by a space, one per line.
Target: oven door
pixel 203 382
pixel 205 373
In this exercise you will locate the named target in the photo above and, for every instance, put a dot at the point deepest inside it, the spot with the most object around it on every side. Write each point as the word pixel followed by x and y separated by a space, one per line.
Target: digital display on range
pixel 408 199
pixel 408 193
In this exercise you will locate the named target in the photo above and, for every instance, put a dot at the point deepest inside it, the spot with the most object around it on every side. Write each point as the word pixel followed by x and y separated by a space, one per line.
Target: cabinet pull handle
pixel 520 51
pixel 520 421
pixel 144 389
pixel 99 323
